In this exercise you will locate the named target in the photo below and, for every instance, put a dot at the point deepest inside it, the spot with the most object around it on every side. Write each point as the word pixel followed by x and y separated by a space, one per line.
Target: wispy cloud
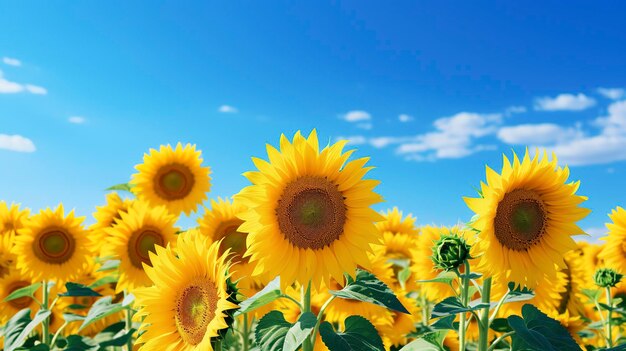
pixel 77 119
pixel 595 233
pixel 11 61
pixel 405 118
pixel 564 102
pixel 16 143
pixel 612 93
pixel 227 109
pixel 356 116
pixel 354 139
pixel 9 87
pixel 514 109
pixel 543 134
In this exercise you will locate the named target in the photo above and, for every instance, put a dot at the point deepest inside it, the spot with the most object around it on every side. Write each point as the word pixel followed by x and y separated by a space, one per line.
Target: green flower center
pixel 54 245
pixel 173 182
pixel 520 220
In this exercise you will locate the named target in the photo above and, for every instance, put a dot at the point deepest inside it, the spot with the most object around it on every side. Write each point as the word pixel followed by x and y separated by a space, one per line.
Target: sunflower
pixel 221 223
pixel 397 250
pixel 106 216
pixel 309 215
pixel 423 267
pixel 187 305
pixel 396 333
pixel 12 219
pixel 614 251
pixel 340 309
pixel 590 260
pixel 395 223
pixel 53 246
pixel 572 299
pixel 10 282
pixel 526 217
pixel 135 235
pixel 172 177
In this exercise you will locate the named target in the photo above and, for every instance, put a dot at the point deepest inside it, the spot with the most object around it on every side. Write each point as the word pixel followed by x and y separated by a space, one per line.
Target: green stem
pixel 218 345
pixel 500 303
pixel 609 329
pixel 307 345
pixel 319 319
pixel 500 338
pixel 292 299
pixel 45 327
pixel 245 332
pixel 483 325
pixel 425 311
pixel 56 335
pixel 464 300
pixel 129 326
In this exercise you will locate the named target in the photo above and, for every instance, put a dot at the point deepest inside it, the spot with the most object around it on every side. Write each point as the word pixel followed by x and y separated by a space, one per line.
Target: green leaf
pixel 443 277
pixel 517 294
pixel 100 309
pixel 121 187
pixel 422 345
pixel 13 341
pixel 14 328
pixel 103 281
pixel 118 340
pixel 592 294
pixel 452 306
pixel 299 331
pixel 268 294
pixel 368 288
pixel 80 343
pixel 403 276
pixel 500 325
pixel 359 335
pixel 110 332
pixel 25 291
pixel 109 265
pixel 446 323
pixel 537 331
pixel 38 347
pixel 271 331
pixel 72 317
pixel 75 289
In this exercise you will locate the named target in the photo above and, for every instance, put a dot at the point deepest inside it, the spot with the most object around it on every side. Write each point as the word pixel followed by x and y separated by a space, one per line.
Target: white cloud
pixel 356 116
pixel 514 109
pixel 227 109
pixel 537 134
pixel 453 138
pixel 564 102
pixel 405 118
pixel 34 89
pixel 76 119
pixel 612 93
pixel 16 143
pixel 595 233
pixel 9 87
pixel 12 61
pixel 354 140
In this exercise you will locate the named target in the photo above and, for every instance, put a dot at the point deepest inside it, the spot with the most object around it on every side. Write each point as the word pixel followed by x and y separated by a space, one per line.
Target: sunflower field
pixel 299 260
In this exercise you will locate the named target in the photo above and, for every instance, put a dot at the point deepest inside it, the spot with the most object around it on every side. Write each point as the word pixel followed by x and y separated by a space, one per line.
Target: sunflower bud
pixel 450 251
pixel 607 277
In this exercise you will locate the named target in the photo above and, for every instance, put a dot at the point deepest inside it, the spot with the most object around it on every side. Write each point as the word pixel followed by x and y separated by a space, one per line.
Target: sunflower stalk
pixel 483 323
pixel 609 329
pixel 245 332
pixel 307 344
pixel 45 327
pixel 56 335
pixel 129 326
pixel 465 283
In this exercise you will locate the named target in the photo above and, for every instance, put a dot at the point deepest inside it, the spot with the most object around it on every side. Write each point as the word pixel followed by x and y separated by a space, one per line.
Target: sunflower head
pixel 395 223
pixel 613 253
pixel 137 234
pixel 11 281
pixel 308 213
pixel 173 177
pixel 450 252
pixel 12 219
pixel 190 298
pixel 53 246
pixel 526 217
pixel 607 277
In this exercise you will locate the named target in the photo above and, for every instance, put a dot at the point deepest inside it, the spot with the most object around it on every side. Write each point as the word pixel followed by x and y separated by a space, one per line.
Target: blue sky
pixel 431 91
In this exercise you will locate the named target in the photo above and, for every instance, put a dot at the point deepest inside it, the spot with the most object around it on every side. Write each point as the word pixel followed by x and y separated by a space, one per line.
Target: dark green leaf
pixel 299 331
pixel 500 325
pixel 75 289
pixel 100 309
pixel 268 294
pixel 359 335
pixel 537 331
pixel 25 291
pixel 121 187
pixel 271 331
pixel 38 347
pixel 80 343
pixel 446 323
pixel 368 288
pixel 27 329
pixel 103 281
pixel 452 306
pixel 118 340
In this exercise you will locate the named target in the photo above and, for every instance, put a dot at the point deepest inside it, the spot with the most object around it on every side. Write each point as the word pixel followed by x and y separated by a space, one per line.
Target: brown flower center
pixel 141 243
pixel 21 302
pixel 311 212
pixel 232 239
pixel 520 220
pixel 195 308
pixel 173 182
pixel 54 245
